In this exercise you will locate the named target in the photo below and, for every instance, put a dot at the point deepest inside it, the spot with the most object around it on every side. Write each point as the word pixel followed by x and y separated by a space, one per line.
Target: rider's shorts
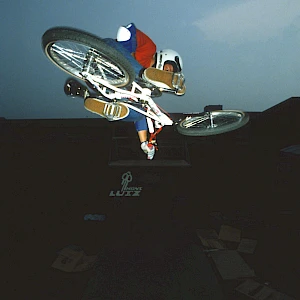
pixel 138 119
pixel 141 124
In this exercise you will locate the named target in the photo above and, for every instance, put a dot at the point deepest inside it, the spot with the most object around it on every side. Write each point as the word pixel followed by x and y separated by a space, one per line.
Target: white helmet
pixel 168 56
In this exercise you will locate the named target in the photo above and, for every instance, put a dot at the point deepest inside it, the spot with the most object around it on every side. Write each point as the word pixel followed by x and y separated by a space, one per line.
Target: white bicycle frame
pixel 136 94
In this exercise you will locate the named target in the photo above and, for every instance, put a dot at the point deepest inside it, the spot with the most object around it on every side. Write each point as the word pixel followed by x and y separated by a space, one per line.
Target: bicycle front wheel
pixel 213 123
pixel 75 51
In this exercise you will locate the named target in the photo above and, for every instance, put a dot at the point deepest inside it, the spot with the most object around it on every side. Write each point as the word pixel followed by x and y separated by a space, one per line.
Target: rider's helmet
pixel 168 56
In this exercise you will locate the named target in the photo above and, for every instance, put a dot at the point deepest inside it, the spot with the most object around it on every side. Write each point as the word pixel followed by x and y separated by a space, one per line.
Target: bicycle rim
pixel 71 56
pixel 218 122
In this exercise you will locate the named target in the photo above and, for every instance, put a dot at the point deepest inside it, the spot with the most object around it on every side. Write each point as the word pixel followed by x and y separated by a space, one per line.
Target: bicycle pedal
pixel 178 81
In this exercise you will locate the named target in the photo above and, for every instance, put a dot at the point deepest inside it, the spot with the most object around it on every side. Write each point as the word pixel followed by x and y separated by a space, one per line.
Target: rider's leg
pixel 142 130
pixel 143 135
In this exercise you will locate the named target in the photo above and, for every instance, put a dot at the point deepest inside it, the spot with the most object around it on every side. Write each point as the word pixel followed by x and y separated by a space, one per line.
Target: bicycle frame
pixel 137 94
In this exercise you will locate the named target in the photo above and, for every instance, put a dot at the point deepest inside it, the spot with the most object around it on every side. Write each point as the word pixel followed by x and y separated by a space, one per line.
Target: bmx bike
pixel 108 74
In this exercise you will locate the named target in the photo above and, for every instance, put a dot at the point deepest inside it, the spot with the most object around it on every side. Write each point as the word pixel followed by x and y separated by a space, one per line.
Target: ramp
pixel 126 152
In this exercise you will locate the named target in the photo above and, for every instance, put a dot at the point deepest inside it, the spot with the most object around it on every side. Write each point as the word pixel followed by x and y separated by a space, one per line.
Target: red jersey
pixel 145 49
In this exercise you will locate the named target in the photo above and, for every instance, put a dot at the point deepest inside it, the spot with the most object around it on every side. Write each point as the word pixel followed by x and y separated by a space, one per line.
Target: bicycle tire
pixel 67 48
pixel 224 121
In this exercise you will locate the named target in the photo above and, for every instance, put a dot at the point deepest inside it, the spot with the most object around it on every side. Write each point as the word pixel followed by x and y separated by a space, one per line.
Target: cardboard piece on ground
pixel 70 260
pixel 247 246
pixel 257 291
pixel 231 265
pixel 209 238
pixel 231 234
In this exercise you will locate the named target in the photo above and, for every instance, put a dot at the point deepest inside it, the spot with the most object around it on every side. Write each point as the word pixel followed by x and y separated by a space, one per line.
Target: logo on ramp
pixel 126 190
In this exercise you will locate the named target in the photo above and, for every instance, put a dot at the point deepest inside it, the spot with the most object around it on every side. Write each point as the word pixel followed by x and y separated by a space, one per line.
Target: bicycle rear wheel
pixel 213 123
pixel 75 51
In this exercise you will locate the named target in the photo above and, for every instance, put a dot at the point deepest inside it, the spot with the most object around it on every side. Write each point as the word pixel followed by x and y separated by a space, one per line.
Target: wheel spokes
pixel 75 57
pixel 196 121
pixel 72 56
pixel 215 120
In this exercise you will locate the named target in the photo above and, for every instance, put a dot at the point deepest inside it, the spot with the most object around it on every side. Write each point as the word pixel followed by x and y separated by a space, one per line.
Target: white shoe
pixel 149 149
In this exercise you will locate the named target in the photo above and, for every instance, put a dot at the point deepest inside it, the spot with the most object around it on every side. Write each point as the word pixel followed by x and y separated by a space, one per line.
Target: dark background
pixel 56 171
